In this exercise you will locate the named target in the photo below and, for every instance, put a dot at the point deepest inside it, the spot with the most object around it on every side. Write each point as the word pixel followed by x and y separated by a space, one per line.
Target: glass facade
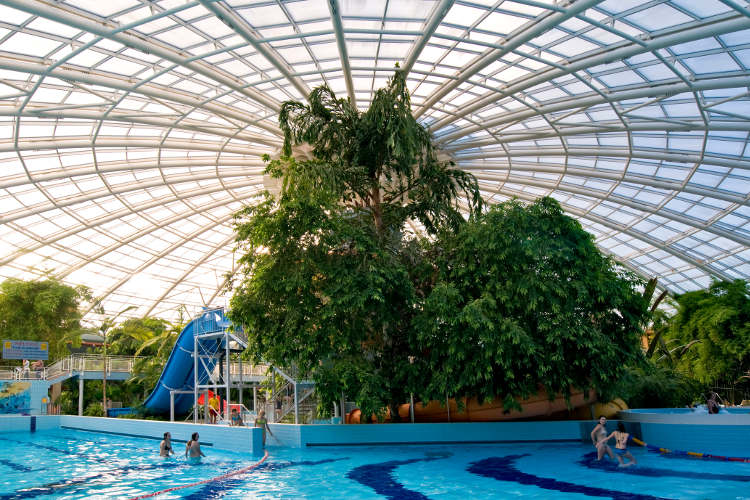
pixel 132 130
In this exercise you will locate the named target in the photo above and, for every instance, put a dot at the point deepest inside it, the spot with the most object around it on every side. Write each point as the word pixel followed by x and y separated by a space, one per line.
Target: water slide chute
pixel 178 373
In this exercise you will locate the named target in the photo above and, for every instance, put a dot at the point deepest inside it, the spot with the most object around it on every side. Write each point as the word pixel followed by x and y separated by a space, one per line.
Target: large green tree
pixel 709 336
pixel 523 299
pixel 332 284
pixel 326 280
pixel 41 310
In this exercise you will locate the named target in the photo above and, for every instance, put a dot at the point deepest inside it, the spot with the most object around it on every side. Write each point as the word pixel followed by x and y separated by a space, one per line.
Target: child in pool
pixel 621 445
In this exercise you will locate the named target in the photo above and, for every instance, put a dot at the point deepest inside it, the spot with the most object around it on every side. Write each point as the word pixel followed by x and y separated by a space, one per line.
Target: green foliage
pixel 653 386
pixel 330 285
pixel 67 403
pixel 43 310
pixel 381 161
pixel 524 299
pixel 94 410
pixel 710 334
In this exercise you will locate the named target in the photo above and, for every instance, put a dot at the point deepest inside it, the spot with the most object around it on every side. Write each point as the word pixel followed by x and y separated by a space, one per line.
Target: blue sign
pixel 25 349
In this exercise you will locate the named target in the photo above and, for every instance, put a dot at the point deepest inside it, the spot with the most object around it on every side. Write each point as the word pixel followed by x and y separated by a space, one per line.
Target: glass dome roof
pixel 131 130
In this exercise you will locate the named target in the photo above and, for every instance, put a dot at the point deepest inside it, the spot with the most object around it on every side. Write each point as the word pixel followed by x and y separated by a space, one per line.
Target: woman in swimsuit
pixel 165 449
pixel 621 445
pixel 599 439
pixel 263 424
pixel 193 449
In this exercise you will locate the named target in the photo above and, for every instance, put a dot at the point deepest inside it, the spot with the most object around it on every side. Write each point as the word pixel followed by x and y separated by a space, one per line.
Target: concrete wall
pixel 238 439
pixel 297 436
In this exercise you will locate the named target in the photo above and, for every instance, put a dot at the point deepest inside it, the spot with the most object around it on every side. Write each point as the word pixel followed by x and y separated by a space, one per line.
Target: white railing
pixel 73 363
pixel 248 370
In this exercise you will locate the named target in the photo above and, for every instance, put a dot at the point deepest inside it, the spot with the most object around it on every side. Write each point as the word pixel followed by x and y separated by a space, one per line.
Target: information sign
pixel 25 349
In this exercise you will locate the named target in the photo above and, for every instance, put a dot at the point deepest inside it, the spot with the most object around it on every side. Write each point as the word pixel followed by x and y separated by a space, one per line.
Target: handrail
pixel 73 363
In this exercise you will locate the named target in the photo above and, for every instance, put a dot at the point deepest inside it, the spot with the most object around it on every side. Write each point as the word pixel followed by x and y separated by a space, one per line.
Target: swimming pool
pixel 74 464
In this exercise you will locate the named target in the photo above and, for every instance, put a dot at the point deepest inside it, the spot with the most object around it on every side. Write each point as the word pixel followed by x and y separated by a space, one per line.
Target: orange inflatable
pixel 538 405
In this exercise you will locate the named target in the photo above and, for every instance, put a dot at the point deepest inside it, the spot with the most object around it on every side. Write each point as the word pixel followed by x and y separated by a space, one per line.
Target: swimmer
pixel 621 445
pixel 599 439
pixel 193 449
pixel 165 449
pixel 262 422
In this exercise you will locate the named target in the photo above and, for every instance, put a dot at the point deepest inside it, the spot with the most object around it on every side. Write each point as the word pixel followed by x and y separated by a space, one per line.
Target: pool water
pixel 76 464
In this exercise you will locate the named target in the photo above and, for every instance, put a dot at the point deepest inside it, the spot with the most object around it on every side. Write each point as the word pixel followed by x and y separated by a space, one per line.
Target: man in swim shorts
pixel 193 450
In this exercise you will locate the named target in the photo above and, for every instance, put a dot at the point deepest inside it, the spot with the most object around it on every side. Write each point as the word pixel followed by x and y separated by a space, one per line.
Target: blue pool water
pixel 75 464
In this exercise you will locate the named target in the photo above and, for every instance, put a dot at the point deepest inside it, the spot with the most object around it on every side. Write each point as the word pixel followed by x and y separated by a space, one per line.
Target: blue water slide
pixel 178 372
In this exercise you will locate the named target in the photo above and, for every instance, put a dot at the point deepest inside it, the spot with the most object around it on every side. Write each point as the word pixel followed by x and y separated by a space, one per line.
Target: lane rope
pixel 667 451
pixel 205 481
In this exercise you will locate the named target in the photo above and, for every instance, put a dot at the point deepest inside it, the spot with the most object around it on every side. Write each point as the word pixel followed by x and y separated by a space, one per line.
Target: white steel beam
pixel 107 29
pixel 240 26
pixel 520 36
pixel 333 8
pixel 684 33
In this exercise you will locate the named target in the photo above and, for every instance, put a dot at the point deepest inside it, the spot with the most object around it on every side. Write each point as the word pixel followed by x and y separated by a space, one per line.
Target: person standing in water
pixel 262 422
pixel 621 445
pixel 193 449
pixel 598 439
pixel 165 449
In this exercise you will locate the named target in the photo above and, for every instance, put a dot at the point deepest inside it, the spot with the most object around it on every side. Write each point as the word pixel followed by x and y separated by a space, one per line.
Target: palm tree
pixel 380 161
pixel 104 328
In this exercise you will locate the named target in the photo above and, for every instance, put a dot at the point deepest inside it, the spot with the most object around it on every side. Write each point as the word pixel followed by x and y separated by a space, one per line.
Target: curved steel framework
pixel 132 130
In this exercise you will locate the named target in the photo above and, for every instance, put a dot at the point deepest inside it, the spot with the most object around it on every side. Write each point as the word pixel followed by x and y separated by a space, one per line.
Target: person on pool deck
pixel 236 419
pixel 262 422
pixel 193 449
pixel 621 445
pixel 165 449
pixel 598 439
pixel 213 407
pixel 712 404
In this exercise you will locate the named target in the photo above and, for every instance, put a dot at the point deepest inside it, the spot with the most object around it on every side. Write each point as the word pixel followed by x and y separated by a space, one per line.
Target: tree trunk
pixel 377 212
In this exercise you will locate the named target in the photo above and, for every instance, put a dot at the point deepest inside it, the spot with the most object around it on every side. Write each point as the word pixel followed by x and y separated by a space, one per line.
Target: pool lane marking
pixel 504 469
pixel 589 461
pixel 215 489
pixel 217 478
pixel 380 478
pixel 125 434
pixel 694 454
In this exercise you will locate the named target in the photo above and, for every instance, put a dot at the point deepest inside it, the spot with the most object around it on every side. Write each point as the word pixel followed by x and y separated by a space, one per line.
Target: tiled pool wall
pixel 438 433
pixel 690 437
pixel 690 431
pixel 238 439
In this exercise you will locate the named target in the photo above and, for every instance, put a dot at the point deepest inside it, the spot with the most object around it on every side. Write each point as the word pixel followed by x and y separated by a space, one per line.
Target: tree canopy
pixel 331 283
pixel 523 299
pixel 41 310
pixel 709 335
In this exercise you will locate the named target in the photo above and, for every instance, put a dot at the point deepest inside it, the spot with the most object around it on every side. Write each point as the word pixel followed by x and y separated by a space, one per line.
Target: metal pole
pixel 343 409
pixel 255 399
pixel 171 406
pixel 273 393
pixel 411 407
pixel 195 376
pixel 228 378
pixel 296 405
pixel 80 396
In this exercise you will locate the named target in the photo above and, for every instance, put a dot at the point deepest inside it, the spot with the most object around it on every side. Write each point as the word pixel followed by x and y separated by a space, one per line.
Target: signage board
pixel 25 349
